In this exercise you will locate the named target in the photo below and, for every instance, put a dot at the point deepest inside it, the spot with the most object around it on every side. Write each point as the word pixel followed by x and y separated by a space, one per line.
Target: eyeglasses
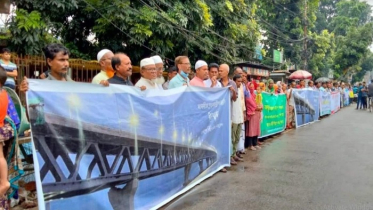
pixel 185 63
pixel 159 69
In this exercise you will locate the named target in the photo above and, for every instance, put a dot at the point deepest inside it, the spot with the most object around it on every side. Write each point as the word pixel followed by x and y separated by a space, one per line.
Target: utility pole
pixel 305 35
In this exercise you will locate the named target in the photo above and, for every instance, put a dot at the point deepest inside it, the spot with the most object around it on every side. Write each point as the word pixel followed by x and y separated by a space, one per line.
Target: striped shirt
pixel 10 67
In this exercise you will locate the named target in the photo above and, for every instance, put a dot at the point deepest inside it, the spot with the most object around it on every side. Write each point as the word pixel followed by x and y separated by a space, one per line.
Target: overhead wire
pixel 180 28
pixel 154 51
pixel 286 9
pixel 280 31
pixel 224 38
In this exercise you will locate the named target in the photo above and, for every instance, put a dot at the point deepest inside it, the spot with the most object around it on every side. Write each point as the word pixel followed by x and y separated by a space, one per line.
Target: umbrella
pixel 323 79
pixel 300 74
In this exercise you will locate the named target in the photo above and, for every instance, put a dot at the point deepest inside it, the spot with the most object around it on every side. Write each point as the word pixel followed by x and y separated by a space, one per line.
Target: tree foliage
pixel 208 29
pixel 338 31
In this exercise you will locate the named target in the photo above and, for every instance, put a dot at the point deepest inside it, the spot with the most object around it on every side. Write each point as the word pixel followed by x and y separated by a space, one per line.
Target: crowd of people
pixel 245 92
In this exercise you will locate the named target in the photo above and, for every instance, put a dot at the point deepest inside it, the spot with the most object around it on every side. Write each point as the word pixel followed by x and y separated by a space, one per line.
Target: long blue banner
pixel 119 148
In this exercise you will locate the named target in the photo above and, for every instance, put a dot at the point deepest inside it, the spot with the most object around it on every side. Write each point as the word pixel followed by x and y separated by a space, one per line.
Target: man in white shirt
pixel 148 73
pixel 237 117
pixel 159 66
pixel 212 81
pixel 104 59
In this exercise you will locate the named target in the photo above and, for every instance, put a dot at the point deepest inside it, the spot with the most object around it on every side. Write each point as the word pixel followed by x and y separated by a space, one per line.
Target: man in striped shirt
pixel 10 68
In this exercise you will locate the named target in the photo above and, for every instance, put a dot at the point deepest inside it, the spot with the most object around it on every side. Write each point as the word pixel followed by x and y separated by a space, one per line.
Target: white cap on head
pixel 146 61
pixel 157 59
pixel 199 64
pixel 102 53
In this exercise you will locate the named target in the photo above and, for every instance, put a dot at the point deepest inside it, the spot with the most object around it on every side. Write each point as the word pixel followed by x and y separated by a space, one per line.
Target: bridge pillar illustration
pixel 123 199
pixel 200 163
pixel 186 174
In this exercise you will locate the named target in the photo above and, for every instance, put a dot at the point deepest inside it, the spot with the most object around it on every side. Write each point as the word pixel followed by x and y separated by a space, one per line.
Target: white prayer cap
pixel 199 64
pixel 146 61
pixel 157 59
pixel 102 53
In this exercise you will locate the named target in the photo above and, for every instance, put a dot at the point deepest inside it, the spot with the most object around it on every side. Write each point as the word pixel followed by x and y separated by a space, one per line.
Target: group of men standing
pixel 206 75
pixel 117 68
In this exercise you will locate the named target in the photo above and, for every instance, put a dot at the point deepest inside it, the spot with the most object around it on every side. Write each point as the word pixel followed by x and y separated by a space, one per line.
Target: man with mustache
pixel 104 59
pixel 122 66
pixel 57 57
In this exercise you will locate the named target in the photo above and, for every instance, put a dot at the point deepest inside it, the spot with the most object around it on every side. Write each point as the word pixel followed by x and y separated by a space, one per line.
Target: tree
pixel 353 48
pixel 222 31
pixel 28 32
pixel 283 24
pixel 365 66
pixel 349 14
pixel 322 49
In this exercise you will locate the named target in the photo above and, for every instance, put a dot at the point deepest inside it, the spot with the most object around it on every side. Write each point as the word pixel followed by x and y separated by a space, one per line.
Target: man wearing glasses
pixel 181 79
pixel 148 73
pixel 104 59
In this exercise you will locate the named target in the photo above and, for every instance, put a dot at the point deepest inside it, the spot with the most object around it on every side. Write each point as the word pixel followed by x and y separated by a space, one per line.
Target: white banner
pixel 335 102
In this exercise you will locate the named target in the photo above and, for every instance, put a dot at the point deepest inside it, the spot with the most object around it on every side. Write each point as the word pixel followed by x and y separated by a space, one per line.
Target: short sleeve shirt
pixel 10 67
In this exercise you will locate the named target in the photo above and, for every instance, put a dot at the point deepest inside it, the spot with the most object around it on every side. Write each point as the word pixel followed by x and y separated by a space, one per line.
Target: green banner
pixel 277 56
pixel 274 114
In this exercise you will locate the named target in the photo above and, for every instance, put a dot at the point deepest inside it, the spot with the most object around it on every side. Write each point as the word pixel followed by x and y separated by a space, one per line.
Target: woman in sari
pixel 270 87
pixel 279 87
pixel 253 114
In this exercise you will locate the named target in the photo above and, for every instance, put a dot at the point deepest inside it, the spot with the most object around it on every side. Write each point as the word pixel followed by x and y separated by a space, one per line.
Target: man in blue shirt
pixel 10 68
pixel 181 79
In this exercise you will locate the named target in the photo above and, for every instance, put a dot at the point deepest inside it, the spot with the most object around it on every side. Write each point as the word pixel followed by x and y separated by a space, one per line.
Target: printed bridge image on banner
pixel 119 148
pixel 307 106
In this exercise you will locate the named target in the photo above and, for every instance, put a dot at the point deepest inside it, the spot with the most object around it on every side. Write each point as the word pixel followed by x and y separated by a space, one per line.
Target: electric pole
pixel 305 35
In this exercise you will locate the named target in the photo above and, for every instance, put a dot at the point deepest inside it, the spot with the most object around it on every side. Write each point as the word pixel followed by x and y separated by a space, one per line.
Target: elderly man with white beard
pixel 159 66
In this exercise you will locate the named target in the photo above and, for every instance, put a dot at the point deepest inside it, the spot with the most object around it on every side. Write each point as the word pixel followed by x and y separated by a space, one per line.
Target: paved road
pixel 326 165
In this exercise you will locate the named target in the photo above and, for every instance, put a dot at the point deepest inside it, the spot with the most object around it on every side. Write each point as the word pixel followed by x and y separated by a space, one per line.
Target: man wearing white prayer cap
pixel 202 74
pixel 148 73
pixel 159 66
pixel 104 59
